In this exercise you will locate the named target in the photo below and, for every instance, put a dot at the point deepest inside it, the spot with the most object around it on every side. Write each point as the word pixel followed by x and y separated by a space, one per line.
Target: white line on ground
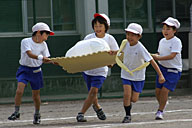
pixel 67 118
pixel 133 123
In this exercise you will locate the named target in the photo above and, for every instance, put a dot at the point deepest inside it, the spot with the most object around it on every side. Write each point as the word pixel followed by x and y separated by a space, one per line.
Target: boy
pixel 170 63
pixel 34 52
pixel 135 55
pixel 94 78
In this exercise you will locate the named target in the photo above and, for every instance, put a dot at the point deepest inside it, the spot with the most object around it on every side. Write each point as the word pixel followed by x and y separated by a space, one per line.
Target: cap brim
pixel 52 33
pixel 132 31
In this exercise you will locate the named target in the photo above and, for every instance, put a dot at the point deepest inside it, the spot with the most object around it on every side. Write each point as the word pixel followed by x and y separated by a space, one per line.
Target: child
pixel 34 52
pixel 135 54
pixel 170 62
pixel 94 78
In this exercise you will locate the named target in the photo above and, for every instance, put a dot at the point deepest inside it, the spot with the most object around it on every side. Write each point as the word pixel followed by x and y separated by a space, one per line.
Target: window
pixel 42 12
pixel 174 8
pixel 136 11
pixel 183 13
pixel 163 10
pixel 123 12
pixel 148 13
pixel 17 16
pixel 59 14
pixel 11 16
pixel 116 14
pixel 64 15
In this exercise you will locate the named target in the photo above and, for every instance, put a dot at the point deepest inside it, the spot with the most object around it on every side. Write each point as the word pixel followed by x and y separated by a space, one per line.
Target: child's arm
pixel 156 67
pixel 33 56
pixel 168 57
pixel 111 52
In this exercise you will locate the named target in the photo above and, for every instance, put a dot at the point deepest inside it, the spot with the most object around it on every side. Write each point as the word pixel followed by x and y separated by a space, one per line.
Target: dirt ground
pixel 63 114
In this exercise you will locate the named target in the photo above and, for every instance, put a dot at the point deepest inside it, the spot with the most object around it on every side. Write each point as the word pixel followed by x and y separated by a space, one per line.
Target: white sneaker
pixel 159 115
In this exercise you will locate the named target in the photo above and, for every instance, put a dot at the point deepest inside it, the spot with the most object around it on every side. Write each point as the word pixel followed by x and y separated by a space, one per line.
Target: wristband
pixel 40 57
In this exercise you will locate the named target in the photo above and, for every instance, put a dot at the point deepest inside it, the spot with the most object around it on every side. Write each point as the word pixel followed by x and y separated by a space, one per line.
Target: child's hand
pixel 110 66
pixel 112 52
pixel 55 63
pixel 46 60
pixel 161 79
pixel 155 56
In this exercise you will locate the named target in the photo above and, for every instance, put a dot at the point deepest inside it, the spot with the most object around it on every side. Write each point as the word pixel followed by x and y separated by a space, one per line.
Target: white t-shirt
pixel 166 47
pixel 113 46
pixel 135 56
pixel 28 44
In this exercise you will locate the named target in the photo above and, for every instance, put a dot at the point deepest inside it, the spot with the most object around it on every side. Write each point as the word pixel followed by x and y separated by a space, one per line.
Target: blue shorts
pixel 172 77
pixel 33 75
pixel 93 81
pixel 137 86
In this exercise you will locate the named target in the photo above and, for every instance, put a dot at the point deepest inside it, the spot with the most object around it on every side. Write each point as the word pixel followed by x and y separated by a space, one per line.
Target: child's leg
pixel 163 96
pixel 18 96
pixel 157 94
pixel 36 100
pixel 135 96
pixel 127 103
pixel 127 95
pixel 95 103
pixel 99 111
pixel 127 98
pixel 19 93
pixel 90 99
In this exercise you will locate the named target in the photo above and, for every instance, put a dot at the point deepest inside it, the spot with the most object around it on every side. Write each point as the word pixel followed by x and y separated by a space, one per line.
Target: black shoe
pixel 14 116
pixel 127 119
pixel 37 119
pixel 80 118
pixel 100 113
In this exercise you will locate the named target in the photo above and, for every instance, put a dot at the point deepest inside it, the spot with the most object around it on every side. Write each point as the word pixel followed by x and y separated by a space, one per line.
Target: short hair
pixel 101 20
pixel 41 32
pixel 174 28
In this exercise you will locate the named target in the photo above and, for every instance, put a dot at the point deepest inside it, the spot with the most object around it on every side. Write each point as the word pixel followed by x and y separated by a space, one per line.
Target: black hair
pixel 174 28
pixel 101 20
pixel 34 33
pixel 41 32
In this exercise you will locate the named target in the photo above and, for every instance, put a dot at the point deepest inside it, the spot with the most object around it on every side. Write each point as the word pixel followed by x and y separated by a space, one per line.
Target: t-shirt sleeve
pixel 25 46
pixel 177 46
pixel 46 51
pixel 146 55
pixel 113 44
pixel 89 36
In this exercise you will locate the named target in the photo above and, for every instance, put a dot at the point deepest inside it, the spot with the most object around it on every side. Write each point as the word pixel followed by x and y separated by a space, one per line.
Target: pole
pixel 34 13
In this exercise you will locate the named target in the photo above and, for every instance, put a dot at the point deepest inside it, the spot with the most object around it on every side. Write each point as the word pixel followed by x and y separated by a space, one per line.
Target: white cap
pixel 172 22
pixel 134 28
pixel 103 16
pixel 42 27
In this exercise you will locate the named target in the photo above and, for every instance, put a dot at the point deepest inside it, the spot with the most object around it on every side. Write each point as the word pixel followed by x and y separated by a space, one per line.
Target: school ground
pixel 62 114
